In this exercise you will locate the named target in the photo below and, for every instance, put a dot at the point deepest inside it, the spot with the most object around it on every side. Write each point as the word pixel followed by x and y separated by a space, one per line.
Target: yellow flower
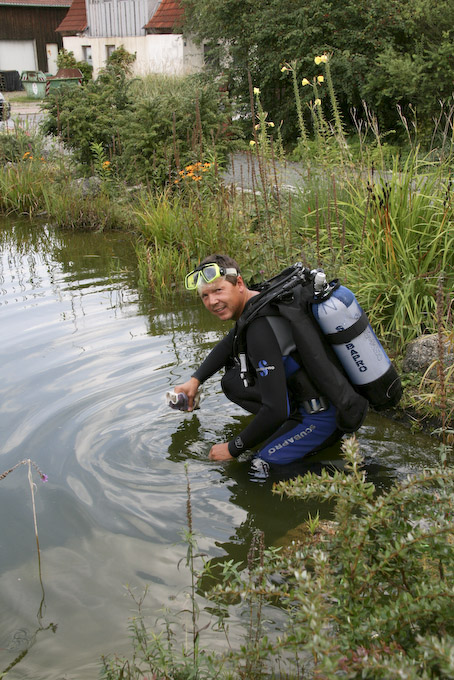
pixel 324 58
pixel 320 79
pixel 27 153
pixel 271 124
pixel 106 164
pixel 256 90
pixel 283 69
pixel 318 102
pixel 318 60
pixel 252 143
pixel 176 181
pixel 305 82
pixel 207 165
pixel 196 179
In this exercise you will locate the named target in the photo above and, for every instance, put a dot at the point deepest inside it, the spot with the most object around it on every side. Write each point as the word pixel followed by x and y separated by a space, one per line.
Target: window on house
pixel 87 55
pixel 110 49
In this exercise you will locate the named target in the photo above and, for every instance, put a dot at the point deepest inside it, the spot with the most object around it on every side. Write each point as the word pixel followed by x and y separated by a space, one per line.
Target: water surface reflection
pixel 85 361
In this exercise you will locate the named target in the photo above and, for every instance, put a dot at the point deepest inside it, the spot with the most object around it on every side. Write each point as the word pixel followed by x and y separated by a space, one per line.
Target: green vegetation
pixel 369 595
pixel 148 128
pixel 385 53
pixel 366 595
pixel 152 151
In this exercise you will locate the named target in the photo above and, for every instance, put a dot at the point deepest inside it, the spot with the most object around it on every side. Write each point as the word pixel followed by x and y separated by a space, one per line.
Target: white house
pixel 93 29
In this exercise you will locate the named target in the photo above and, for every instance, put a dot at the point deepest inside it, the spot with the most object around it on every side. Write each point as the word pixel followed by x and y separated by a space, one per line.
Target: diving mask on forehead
pixel 207 273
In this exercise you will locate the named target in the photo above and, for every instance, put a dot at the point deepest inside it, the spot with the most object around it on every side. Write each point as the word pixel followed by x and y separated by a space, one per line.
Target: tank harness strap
pixel 350 333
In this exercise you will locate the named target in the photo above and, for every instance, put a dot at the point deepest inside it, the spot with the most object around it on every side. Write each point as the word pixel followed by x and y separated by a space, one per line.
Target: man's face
pixel 223 299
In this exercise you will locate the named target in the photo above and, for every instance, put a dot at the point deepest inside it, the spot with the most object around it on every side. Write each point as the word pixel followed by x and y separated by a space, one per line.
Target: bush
pixel 94 113
pixel 147 132
pixel 176 120
pixel 367 595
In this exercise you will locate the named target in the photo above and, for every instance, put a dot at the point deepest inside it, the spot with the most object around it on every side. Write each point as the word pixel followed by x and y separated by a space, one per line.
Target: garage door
pixel 18 55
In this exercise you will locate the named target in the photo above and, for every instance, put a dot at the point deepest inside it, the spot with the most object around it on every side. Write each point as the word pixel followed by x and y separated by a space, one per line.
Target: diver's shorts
pixel 297 438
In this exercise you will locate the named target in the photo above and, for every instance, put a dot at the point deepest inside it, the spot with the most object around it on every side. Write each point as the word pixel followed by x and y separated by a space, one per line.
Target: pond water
pixel 85 362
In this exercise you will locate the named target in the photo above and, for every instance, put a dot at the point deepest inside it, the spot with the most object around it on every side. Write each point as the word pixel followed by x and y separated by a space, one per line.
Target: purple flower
pixel 45 478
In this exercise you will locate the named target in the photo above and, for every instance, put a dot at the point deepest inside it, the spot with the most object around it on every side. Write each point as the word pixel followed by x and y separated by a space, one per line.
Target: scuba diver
pixel 291 381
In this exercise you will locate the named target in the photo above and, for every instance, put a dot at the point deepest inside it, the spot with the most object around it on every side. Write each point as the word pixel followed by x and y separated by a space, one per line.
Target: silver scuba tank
pixel 347 329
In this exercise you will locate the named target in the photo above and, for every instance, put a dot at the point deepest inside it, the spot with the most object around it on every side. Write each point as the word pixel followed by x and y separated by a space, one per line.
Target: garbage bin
pixel 64 76
pixel 34 83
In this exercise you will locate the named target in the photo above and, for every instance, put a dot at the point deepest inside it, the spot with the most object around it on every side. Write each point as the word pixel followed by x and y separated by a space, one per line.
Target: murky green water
pixel 85 362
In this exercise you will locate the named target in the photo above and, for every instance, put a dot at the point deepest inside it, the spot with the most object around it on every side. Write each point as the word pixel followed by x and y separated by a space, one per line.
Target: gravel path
pixel 244 172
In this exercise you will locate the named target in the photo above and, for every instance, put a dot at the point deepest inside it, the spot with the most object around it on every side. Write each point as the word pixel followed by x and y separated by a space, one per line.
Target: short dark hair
pixel 223 261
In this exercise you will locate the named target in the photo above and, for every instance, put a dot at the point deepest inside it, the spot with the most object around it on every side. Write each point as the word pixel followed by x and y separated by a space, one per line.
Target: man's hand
pixel 190 388
pixel 220 452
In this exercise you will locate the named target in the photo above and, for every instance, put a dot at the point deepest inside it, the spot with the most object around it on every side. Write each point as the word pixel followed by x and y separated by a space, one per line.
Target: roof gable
pixel 75 20
pixel 167 18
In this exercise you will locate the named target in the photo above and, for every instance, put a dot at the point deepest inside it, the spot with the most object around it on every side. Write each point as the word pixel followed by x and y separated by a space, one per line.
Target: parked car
pixel 5 108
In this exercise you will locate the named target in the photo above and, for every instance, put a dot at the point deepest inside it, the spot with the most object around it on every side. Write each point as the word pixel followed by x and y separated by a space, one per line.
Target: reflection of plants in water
pixel 22 637
pixel 159 653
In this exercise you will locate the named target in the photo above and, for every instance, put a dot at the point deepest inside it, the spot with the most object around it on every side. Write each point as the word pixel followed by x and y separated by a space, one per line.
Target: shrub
pixel 367 595
pixel 94 113
pixel 176 120
pixel 148 133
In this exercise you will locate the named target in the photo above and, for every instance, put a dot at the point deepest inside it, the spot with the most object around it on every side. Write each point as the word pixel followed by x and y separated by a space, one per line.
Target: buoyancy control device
pixel 326 315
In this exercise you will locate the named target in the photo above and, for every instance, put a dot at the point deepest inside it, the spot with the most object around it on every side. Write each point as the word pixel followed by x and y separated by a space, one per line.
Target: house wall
pixel 119 18
pixel 169 53
pixel 21 24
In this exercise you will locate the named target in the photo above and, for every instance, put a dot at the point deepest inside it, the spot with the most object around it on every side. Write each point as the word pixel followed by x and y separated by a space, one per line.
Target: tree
pixel 388 52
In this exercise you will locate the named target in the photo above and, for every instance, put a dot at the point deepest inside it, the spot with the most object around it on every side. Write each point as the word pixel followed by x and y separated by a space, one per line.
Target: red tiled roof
pixel 37 3
pixel 167 18
pixel 75 20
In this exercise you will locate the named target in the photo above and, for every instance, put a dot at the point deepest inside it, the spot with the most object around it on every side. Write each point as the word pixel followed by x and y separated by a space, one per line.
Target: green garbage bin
pixel 64 76
pixel 34 83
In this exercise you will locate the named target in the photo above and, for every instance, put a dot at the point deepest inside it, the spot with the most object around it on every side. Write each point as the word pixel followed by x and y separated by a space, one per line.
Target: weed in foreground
pixel 368 595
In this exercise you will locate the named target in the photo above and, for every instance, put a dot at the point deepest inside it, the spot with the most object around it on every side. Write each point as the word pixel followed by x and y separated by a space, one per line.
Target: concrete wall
pixel 170 53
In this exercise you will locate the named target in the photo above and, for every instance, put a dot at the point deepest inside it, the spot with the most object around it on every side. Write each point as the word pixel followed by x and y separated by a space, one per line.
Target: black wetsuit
pixel 283 426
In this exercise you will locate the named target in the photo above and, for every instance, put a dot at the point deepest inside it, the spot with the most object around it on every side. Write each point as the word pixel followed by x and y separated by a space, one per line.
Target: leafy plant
pixel 366 595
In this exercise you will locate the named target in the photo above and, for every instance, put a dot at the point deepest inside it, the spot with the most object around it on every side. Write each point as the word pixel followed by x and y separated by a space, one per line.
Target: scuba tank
pixel 347 329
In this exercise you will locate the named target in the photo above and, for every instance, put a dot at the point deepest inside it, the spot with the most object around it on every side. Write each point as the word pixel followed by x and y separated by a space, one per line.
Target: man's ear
pixel 240 283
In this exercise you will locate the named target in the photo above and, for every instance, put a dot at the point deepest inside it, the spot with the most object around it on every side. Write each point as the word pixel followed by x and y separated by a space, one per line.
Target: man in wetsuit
pixel 286 425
